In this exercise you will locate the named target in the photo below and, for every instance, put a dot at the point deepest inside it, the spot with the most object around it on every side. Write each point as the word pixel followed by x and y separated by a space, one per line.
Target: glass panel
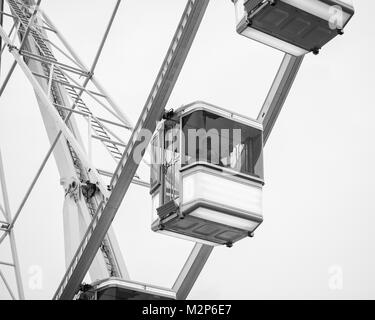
pixel 223 142
pixel 171 161
pixel 155 162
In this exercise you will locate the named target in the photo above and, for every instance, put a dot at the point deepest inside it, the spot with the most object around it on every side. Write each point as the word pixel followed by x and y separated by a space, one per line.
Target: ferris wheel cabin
pixel 207 175
pixel 120 289
pixel 293 26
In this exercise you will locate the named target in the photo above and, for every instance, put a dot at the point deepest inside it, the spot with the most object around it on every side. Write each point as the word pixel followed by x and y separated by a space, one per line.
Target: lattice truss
pixel 74 98
pixel 36 39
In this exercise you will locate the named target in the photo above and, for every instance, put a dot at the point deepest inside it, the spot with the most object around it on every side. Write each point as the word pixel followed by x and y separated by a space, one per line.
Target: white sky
pixel 319 161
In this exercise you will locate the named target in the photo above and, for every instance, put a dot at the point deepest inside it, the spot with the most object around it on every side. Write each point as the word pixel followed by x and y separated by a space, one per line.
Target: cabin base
pixel 190 227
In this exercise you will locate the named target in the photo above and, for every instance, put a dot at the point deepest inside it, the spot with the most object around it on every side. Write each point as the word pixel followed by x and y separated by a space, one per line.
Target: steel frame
pixel 152 112
pixel 1 24
pixel 71 110
pixel 10 44
pixel 12 239
pixel 278 93
pixel 93 78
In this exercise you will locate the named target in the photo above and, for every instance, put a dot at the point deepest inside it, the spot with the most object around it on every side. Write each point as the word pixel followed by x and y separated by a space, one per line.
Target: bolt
pixel 340 32
pixel 316 51
pixel 273 2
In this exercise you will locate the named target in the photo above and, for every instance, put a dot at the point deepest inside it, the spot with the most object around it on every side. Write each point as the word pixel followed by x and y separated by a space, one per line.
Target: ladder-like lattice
pixel 53 70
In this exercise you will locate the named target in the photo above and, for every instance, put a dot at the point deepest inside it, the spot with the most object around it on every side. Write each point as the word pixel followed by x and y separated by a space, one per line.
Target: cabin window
pixel 223 143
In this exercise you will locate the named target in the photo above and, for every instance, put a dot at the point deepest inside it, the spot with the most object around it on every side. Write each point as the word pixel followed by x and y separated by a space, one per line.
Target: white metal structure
pixel 54 70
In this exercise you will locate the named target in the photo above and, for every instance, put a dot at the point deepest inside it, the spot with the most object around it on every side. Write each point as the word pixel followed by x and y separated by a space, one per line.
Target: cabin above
pixel 293 26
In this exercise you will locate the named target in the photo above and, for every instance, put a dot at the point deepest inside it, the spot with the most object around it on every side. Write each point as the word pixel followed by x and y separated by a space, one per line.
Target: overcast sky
pixel 319 208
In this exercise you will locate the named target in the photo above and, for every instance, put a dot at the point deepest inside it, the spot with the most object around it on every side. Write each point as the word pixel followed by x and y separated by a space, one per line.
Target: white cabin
pixel 293 26
pixel 207 175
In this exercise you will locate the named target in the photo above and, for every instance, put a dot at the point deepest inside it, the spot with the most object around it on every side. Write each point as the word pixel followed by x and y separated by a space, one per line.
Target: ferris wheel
pixel 185 202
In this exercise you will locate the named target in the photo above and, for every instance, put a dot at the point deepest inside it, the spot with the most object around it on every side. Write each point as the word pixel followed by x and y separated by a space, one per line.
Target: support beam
pixel 2 210
pixel 127 167
pixel 9 35
pixel 2 13
pixel 1 24
pixel 67 84
pixel 50 79
pixel 23 42
pixel 7 77
pixel 49 60
pixel 85 114
pixel 105 36
pixel 278 93
pixel 117 143
pixel 6 264
pixel 191 270
pixel 33 183
pixel 10 233
pixel 136 181
pixel 89 138
pixel 7 285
